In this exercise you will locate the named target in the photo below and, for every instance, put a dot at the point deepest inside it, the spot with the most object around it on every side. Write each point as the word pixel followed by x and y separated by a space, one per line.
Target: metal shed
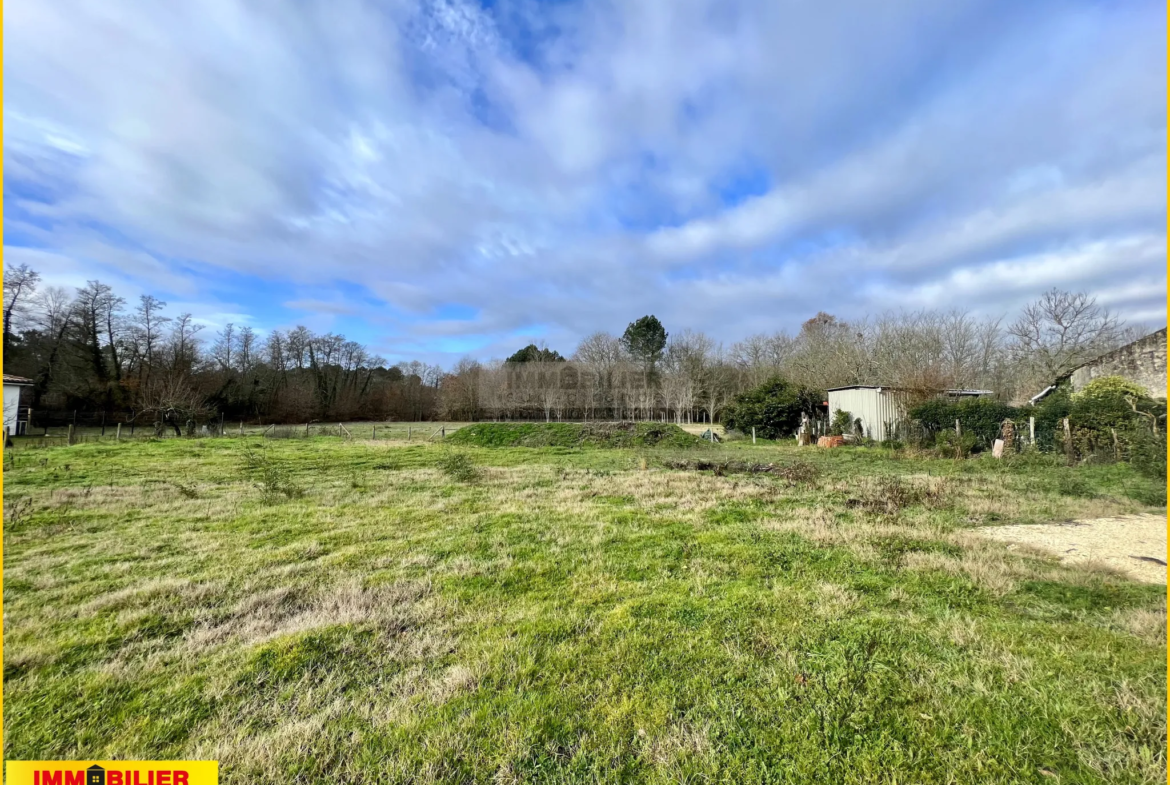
pixel 12 387
pixel 881 408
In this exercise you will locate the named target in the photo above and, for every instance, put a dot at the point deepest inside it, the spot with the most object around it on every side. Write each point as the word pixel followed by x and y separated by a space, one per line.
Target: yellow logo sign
pixel 112 772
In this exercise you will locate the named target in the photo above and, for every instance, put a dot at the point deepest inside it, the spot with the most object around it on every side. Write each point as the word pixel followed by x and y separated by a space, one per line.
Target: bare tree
pixel 1063 330
pixel 20 284
pixel 245 356
pixel 54 319
pixel 224 349
pixel 184 343
pixel 829 352
pixel 93 305
pixel 173 400
pixel 147 330
pixel 761 356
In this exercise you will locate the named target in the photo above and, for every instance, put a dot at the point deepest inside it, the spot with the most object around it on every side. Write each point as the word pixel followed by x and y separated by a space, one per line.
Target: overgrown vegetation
pixel 774 408
pixel 1110 419
pixel 574 615
pixel 980 418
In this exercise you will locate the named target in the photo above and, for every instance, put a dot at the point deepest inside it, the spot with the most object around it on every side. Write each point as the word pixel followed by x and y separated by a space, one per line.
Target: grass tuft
pixel 459 467
pixel 272 478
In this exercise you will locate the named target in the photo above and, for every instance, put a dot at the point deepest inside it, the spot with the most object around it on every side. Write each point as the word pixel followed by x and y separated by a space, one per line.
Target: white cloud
pixel 562 166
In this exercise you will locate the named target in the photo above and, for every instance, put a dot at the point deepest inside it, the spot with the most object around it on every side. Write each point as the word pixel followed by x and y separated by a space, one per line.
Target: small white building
pixel 881 408
pixel 12 387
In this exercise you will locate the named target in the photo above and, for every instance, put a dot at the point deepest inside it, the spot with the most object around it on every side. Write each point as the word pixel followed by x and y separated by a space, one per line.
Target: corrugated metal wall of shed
pixel 875 409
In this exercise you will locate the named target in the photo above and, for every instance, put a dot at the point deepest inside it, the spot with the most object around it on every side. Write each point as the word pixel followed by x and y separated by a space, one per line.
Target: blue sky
pixel 441 178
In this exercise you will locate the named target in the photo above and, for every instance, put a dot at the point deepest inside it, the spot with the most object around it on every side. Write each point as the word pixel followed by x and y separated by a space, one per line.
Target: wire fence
pixel 52 429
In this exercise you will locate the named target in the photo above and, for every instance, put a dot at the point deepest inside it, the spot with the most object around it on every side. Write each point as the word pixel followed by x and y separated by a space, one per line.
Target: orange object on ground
pixel 830 441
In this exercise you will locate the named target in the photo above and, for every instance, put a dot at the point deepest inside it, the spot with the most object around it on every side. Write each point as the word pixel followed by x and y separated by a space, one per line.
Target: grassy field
pixel 328 610
pixel 89 434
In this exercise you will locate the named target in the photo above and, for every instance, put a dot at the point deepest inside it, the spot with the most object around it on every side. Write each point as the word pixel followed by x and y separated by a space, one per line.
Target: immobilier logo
pixel 112 772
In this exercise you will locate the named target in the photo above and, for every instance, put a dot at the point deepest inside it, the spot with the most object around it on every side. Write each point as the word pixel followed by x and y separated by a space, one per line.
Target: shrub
pixel 1106 403
pixel 271 478
pixel 1147 452
pixel 842 423
pixel 459 467
pixel 980 418
pixel 952 445
pixel 773 408
pixel 1111 387
pixel 935 416
pixel 1107 420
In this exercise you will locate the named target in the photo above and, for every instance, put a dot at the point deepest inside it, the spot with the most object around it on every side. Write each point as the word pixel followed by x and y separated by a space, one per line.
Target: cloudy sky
pixel 439 177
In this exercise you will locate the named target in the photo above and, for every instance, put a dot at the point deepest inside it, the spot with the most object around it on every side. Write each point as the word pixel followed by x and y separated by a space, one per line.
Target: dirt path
pixel 1112 541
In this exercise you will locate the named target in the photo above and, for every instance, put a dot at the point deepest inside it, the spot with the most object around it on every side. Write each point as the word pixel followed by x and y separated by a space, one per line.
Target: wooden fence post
pixel 1116 448
pixel 118 433
pixel 958 428
pixel 753 434
pixel 408 433
pixel 443 432
pixel 1032 430
pixel 103 423
pixel 241 427
pixel 1068 445
pixel 69 438
pixel 375 436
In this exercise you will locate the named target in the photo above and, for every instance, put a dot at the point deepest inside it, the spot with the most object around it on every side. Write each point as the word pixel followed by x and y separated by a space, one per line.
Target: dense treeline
pixel 89 351
pixel 92 351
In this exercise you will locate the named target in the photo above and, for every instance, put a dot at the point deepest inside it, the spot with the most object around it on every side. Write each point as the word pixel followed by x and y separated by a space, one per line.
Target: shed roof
pixel 891 387
pixel 10 379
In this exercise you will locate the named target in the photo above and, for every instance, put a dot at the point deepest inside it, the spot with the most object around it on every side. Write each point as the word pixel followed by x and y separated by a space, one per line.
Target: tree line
pixel 92 351
pixel 648 373
pixel 88 350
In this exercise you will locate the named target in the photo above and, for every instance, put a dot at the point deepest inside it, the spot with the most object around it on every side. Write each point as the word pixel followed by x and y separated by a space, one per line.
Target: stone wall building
pixel 1142 362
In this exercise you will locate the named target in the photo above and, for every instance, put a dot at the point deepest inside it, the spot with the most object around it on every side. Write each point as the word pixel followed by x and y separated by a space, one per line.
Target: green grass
pixel 607 435
pixel 320 610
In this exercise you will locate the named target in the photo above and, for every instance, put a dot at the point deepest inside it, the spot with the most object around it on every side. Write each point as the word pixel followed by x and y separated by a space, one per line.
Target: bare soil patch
pixel 1131 544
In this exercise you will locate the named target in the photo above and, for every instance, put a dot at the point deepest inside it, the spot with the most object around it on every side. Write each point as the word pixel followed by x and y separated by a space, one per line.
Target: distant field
pixel 363 430
pixel 420 431
pixel 350 610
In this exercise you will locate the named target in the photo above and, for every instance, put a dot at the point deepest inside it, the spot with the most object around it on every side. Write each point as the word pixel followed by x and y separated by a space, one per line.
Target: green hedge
pixel 980 418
